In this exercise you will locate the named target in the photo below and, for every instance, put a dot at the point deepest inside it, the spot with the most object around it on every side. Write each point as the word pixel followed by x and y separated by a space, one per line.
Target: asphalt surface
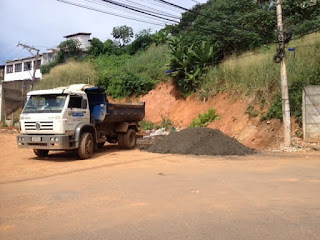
pixel 137 195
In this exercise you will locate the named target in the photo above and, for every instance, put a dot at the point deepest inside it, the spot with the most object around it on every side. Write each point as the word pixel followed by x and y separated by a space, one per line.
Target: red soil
pixel 164 101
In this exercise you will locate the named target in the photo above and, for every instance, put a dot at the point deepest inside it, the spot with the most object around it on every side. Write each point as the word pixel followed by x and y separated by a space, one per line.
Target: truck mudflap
pixel 50 142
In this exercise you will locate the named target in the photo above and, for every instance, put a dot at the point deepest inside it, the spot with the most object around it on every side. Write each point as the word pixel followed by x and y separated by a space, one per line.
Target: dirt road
pixel 138 195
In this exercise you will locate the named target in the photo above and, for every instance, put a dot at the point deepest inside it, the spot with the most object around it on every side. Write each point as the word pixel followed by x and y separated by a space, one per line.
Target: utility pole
pixel 30 49
pixel 284 79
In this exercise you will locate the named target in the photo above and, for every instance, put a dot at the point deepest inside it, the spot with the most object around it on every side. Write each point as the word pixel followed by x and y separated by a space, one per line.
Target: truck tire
pixel 129 139
pixel 120 140
pixel 86 146
pixel 41 152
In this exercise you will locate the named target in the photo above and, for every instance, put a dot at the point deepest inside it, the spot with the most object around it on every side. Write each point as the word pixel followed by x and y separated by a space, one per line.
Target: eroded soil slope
pixel 165 101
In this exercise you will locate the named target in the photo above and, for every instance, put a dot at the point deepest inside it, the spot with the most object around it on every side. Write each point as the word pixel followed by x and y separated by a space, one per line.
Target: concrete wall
pixel 83 40
pixel 13 95
pixel 48 57
pixel 311 113
pixel 2 72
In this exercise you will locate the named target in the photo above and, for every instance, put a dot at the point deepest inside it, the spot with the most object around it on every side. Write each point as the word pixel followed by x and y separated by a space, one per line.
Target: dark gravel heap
pixel 199 141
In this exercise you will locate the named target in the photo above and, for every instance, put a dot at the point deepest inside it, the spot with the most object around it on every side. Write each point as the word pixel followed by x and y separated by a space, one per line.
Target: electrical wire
pixel 138 10
pixel 117 8
pixel 111 13
pixel 154 9
pixel 134 8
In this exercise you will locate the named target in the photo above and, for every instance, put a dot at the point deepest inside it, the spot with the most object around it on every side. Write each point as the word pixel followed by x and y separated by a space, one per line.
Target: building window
pixel 9 68
pixel 18 67
pixel 27 66
pixel 37 65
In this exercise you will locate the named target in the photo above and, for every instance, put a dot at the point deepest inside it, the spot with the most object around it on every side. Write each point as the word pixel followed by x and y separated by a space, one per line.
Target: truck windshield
pixel 45 104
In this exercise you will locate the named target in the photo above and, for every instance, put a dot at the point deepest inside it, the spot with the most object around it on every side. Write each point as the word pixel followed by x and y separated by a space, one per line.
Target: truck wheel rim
pixel 89 146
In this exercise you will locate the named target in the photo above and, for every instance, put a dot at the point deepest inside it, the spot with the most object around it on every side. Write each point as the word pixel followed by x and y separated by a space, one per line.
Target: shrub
pixel 67 74
pixel 252 112
pixel 166 123
pixel 188 63
pixel 146 125
pixel 129 84
pixel 204 119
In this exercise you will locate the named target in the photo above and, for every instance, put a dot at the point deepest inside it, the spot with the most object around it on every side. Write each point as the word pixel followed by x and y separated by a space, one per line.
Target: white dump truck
pixel 78 117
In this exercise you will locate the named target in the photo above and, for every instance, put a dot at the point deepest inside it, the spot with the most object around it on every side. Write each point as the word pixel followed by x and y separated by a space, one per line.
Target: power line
pixel 134 8
pixel 168 7
pixel 154 9
pixel 141 11
pixel 111 13
pixel 117 8
pixel 138 10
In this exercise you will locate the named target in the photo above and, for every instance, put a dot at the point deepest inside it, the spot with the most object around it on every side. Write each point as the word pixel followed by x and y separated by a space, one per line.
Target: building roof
pixel 22 59
pixel 76 34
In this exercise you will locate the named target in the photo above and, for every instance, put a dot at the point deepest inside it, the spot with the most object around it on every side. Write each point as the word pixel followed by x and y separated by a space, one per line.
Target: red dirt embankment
pixel 164 101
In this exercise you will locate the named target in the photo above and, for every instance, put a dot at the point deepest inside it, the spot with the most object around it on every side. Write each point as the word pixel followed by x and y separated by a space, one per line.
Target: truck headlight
pixel 57 139
pixel 52 139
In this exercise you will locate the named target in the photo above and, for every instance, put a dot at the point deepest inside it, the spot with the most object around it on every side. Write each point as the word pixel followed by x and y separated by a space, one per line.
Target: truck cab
pixel 76 117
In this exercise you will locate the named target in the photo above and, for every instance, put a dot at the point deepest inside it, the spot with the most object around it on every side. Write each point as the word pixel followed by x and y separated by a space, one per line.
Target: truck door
pixel 78 111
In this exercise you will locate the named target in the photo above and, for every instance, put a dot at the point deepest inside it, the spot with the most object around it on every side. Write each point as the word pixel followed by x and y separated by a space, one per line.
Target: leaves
pixel 123 33
pixel 188 63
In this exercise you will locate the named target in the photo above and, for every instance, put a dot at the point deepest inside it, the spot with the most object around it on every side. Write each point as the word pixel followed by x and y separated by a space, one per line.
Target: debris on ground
pixel 199 141
pixel 159 132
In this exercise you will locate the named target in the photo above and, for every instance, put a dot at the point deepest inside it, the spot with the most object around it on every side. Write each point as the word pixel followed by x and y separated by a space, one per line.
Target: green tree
pixel 302 16
pixel 111 47
pixel 97 47
pixel 70 48
pixel 142 40
pixel 123 34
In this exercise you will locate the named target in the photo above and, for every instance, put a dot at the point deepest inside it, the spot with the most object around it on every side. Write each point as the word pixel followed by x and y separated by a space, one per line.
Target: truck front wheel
pixel 129 139
pixel 41 152
pixel 86 146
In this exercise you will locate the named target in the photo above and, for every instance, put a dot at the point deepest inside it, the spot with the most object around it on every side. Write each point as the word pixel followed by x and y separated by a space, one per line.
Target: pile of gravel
pixel 199 141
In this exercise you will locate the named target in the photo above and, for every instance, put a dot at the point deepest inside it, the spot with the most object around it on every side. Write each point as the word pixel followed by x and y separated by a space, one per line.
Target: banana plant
pixel 160 37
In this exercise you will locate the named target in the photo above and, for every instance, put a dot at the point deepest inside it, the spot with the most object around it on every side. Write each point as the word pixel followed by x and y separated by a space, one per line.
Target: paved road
pixel 134 195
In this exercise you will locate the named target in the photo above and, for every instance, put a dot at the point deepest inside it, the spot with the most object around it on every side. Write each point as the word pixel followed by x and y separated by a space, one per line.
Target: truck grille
pixel 40 126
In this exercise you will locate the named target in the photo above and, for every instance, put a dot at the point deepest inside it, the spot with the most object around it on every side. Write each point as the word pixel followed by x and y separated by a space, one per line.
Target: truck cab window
pixel 75 102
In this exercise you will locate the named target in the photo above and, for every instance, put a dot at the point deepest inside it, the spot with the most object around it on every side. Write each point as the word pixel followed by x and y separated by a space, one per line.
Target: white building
pixel 22 69
pixel 83 38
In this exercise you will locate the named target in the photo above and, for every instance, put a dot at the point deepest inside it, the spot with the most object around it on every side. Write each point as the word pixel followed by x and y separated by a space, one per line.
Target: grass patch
pixel 67 74
pixel 255 73
pixel 125 75
pixel 146 125
pixel 204 119
pixel 252 112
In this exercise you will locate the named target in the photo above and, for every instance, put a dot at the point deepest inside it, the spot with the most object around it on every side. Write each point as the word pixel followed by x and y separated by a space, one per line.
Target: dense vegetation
pixel 225 46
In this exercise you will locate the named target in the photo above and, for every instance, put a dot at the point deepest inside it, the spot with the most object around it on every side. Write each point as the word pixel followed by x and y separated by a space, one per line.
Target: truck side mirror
pixel 84 103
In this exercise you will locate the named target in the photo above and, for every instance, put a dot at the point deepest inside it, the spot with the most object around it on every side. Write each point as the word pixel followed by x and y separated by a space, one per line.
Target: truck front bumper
pixel 50 142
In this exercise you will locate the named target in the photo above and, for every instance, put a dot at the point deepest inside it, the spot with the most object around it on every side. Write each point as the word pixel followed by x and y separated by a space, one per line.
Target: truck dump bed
pixel 125 112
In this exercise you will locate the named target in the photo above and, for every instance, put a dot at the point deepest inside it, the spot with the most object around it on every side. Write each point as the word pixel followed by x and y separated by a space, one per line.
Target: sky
pixel 43 23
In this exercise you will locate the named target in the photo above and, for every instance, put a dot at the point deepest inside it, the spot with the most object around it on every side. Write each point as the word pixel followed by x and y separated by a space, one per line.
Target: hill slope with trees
pixel 206 53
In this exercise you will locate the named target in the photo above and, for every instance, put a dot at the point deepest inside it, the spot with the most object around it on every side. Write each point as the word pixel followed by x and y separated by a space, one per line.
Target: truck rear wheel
pixel 86 146
pixel 100 145
pixel 120 140
pixel 129 139
pixel 41 152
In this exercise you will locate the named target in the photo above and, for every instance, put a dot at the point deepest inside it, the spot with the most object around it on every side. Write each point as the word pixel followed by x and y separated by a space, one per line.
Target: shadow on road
pixel 69 156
